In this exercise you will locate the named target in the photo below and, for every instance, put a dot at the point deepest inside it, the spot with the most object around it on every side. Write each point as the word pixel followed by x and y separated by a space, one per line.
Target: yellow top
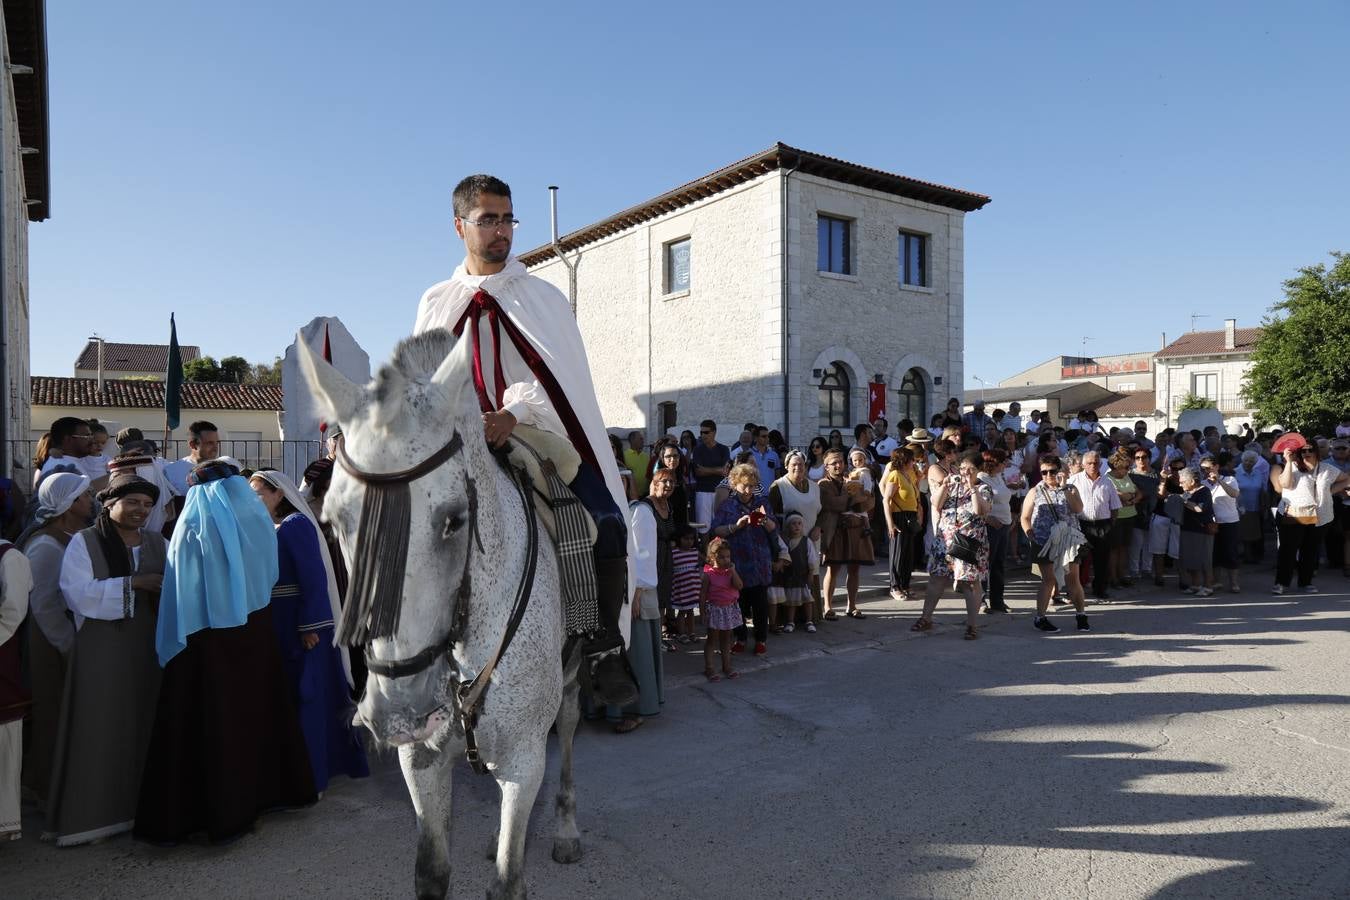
pixel 906 496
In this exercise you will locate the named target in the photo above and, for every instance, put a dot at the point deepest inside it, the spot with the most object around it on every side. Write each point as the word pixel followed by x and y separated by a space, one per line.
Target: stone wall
pixel 14 290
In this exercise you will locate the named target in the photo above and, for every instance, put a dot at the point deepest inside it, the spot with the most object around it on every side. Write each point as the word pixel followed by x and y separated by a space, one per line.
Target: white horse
pixel 465 556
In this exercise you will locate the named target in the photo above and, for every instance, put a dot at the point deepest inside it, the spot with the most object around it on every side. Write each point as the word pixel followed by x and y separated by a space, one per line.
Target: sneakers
pixel 810 627
pixel 761 650
pixel 1311 589
pixel 1083 622
pixel 1044 624
pixel 738 647
pixel 1277 589
pixel 789 628
pixel 1205 592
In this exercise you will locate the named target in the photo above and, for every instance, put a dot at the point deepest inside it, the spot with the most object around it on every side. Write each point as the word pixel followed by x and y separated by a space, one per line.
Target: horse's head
pixel 406 540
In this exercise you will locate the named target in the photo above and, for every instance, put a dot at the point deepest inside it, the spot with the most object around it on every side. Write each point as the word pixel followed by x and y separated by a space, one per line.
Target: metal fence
pixel 290 456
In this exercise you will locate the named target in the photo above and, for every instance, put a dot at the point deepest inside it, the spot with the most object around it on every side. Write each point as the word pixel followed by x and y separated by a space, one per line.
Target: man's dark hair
pixel 859 429
pixel 709 424
pixel 750 427
pixel 64 427
pixel 467 191
pixel 906 426
pixel 198 428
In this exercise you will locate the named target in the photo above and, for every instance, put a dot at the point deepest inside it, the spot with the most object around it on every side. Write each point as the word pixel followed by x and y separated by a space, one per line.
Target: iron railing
pixel 290 456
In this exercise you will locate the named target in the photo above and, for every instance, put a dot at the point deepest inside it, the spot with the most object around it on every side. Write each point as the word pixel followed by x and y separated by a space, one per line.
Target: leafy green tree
pixel 1192 401
pixel 203 368
pixel 235 369
pixel 1300 374
pixel 265 373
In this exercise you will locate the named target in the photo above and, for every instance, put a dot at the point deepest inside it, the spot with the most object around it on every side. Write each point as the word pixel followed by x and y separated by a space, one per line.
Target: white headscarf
pixel 282 482
pixel 58 493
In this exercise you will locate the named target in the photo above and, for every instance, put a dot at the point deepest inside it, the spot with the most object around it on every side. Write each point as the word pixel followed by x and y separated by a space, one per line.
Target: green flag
pixel 173 378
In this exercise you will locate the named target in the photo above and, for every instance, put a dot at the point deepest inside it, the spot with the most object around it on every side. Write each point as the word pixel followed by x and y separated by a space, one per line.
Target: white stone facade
pixel 1219 376
pixel 715 350
pixel 14 290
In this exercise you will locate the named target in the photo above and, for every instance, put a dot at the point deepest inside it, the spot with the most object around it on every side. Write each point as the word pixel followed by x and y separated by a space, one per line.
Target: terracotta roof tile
pixel 148 358
pixel 778 156
pixel 1210 343
pixel 49 390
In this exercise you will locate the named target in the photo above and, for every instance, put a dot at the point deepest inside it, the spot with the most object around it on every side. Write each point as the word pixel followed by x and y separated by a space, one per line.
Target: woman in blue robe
pixel 304 609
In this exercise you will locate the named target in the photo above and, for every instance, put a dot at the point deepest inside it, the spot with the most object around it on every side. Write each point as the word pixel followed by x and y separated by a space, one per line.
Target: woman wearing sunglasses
pixel 1055 504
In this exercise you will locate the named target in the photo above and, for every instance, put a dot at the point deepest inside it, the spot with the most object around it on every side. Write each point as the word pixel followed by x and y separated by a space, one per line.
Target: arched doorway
pixel 833 392
pixel 912 399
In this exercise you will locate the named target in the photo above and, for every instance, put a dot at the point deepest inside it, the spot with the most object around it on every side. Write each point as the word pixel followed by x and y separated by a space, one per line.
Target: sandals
pixel 733 674
pixel 922 625
pixel 711 675
pixel 830 616
pixel 627 725
pixel 855 614
pixel 971 633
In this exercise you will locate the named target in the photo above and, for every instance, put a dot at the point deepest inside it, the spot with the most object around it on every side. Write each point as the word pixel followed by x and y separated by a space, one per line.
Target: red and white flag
pixel 876 400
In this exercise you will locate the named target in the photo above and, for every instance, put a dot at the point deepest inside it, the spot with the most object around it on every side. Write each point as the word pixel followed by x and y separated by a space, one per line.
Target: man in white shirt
pixel 203 444
pixel 1100 502
pixel 1034 422
pixel 884 445
pixel 1013 419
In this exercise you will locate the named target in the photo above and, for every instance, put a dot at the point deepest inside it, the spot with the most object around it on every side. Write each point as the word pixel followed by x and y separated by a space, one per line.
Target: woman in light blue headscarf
pixel 227 745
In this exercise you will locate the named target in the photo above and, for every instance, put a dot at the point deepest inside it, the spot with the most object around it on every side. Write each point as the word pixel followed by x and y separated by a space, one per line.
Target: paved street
pixel 1184 748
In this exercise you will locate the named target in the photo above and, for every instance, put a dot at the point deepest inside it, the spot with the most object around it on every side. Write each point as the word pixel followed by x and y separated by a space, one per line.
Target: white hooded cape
pixel 544 317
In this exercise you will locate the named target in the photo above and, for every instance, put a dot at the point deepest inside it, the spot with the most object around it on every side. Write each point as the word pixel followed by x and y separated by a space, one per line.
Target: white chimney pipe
pixel 1230 334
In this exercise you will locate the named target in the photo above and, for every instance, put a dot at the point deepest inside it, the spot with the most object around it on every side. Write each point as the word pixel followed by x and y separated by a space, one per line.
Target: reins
pixel 377 597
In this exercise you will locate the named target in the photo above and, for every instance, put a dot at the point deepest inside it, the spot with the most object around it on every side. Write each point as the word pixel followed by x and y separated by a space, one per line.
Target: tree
pixel 203 368
pixel 1191 401
pixel 235 369
pixel 265 373
pixel 1300 377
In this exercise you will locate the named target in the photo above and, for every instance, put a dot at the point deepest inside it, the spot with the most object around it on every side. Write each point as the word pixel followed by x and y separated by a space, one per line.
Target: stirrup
pixel 609 678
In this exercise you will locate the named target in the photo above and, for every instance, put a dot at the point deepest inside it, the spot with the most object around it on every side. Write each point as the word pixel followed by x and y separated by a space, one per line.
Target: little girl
pixel 686 578
pixel 791 587
pixel 718 604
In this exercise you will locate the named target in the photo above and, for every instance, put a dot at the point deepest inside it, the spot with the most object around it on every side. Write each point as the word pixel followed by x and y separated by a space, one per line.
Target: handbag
pixel 1306 515
pixel 965 548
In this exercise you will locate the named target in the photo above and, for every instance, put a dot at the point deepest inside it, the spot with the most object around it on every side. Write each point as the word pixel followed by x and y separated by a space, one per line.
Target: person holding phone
pixel 1052 502
pixel 746 525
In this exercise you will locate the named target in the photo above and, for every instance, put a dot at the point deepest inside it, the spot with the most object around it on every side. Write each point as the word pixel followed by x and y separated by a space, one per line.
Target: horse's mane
pixel 421 354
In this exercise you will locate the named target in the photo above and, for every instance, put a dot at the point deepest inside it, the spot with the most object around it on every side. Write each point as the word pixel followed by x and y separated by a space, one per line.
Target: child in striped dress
pixel 686 580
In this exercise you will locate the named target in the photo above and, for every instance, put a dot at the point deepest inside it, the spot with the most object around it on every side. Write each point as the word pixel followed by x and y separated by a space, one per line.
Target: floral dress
pixel 958 514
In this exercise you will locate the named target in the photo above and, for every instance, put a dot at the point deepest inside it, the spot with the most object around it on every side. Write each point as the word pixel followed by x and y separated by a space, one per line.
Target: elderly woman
pixel 651 529
pixel 844 509
pixel 1251 479
pixel 304 613
pixel 1307 488
pixel 904 516
pixel 1197 543
pixel 796 493
pixel 110 576
pixel 1050 519
pixel 1122 527
pixel 744 521
pixel 962 503
pixel 65 506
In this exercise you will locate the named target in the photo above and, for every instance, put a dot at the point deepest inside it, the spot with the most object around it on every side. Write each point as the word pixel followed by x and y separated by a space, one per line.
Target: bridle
pixel 466 695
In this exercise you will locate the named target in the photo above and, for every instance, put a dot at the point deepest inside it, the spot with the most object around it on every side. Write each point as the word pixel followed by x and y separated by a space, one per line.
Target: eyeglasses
pixel 1049 471
pixel 492 223
pixel 1141 456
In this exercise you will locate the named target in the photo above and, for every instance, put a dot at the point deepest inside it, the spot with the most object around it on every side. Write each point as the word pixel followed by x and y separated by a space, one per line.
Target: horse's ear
pixel 454 374
pixel 341 396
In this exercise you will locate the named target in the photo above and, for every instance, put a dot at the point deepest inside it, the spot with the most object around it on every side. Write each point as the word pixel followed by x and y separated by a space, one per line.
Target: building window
pixel 677 266
pixel 834 399
pixel 833 250
pixel 913 259
pixel 1125 386
pixel 912 402
pixel 1206 385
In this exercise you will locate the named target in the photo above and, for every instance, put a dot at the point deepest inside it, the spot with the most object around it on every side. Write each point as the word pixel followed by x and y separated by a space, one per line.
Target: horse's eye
pixel 453 523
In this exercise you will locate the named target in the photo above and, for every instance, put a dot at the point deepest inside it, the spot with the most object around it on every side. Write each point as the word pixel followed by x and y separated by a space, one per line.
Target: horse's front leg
pixel 519 777
pixel 566 837
pixel 428 774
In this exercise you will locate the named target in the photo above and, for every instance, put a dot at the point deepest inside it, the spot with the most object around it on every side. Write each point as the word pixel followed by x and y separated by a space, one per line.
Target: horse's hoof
pixel 567 850
pixel 490 851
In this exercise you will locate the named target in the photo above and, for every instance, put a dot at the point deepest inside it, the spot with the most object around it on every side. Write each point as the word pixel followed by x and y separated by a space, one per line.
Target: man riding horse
pixel 530 368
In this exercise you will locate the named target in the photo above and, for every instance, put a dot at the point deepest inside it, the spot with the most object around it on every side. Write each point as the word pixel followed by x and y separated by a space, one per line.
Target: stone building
pixel 1121 372
pixel 25 196
pixel 774 290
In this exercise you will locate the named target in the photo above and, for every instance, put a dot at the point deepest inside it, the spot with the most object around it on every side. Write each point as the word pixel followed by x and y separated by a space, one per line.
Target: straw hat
pixel 919 436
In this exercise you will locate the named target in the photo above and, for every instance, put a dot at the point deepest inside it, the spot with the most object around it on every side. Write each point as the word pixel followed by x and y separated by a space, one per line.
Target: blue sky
pixel 251 165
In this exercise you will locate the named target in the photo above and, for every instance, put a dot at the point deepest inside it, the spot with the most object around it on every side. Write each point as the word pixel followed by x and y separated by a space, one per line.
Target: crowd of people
pixel 167 663
pixel 758 538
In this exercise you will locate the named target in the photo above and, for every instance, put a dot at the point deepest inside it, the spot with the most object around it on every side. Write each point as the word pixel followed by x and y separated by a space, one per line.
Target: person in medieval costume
pixel 304 613
pixel 16 580
pixel 530 368
pixel 138 458
pixel 65 505
pixel 110 576
pixel 227 745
